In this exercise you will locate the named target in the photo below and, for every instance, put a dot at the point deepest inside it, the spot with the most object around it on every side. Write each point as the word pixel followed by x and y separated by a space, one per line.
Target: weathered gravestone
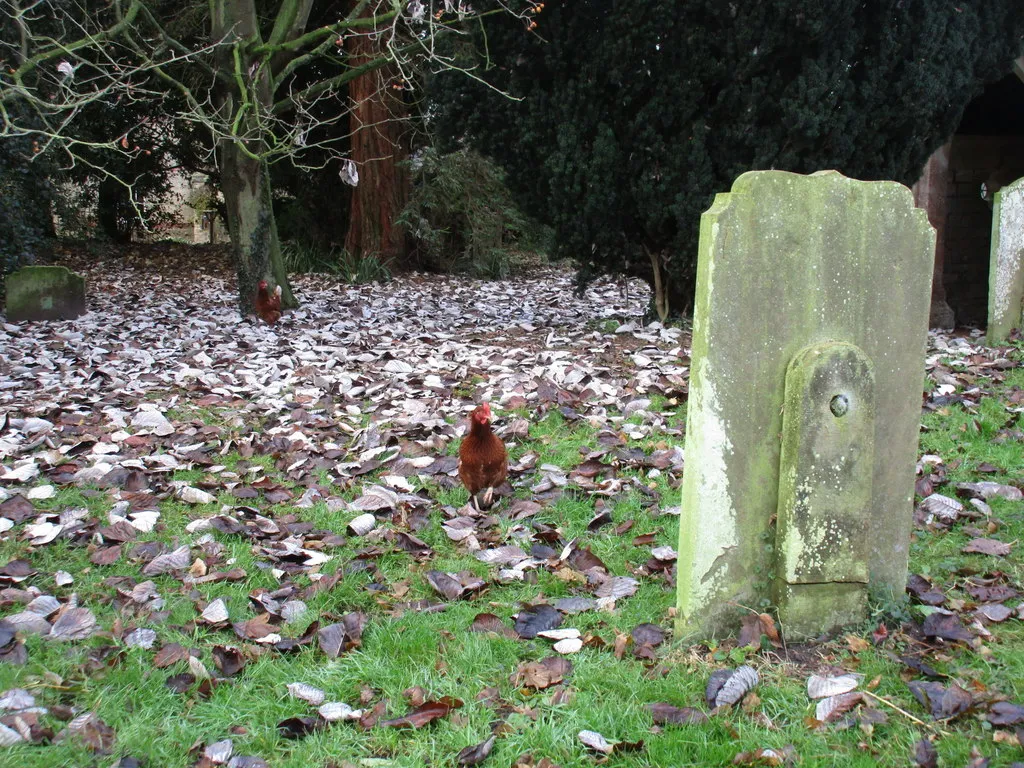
pixel 45 293
pixel 809 332
pixel 1006 270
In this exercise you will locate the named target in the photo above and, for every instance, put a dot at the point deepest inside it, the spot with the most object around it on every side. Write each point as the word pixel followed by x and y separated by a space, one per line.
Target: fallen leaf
pixel 169 654
pixel 536 618
pixel 488 622
pixel 946 626
pixel 766 756
pixel 542 674
pixel 987 547
pixel 177 560
pixel 228 659
pixel 943 703
pixel 832 708
pixel 90 730
pixel 618 587
pixel 666 714
pixel 596 742
pixel 337 710
pixel 73 624
pixel 477 753
pixel 423 714
pixel 216 612
pixel 307 693
pixel 1005 713
pixel 219 752
pixel 648 634
pixel 568 646
pixel 298 727
pixel 821 687
pixel 925 754
pixel 737 685
pixel 994 613
pixel 987 490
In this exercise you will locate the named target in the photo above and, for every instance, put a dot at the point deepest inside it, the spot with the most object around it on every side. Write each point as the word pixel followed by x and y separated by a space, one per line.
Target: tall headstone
pixel 1006 267
pixel 44 293
pixel 809 333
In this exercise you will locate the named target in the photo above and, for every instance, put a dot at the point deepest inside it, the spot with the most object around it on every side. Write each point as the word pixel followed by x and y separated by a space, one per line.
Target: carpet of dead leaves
pixel 358 397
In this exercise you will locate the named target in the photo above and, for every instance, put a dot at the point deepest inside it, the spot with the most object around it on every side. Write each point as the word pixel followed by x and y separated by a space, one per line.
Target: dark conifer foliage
pixel 633 115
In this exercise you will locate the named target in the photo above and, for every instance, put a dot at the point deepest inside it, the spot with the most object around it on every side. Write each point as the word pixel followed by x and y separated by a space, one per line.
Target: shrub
pixel 463 218
pixel 305 258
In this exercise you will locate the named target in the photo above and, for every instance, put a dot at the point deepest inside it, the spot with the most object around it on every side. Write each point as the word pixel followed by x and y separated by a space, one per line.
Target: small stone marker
pixel 1006 270
pixel 44 293
pixel 809 332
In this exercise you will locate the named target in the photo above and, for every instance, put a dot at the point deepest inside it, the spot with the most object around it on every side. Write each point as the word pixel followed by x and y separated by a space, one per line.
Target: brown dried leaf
pixel 177 560
pixel 766 756
pixel 987 547
pixel 1005 713
pixel 93 732
pixel 542 674
pixel 73 624
pixel 488 622
pixel 424 714
pixel 832 708
pixel 228 659
pixel 943 703
pixel 925 754
pixel 946 626
pixel 476 753
pixel 170 654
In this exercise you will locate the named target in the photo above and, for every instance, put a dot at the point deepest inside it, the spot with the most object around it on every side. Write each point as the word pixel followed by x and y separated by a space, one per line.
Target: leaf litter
pixel 370 382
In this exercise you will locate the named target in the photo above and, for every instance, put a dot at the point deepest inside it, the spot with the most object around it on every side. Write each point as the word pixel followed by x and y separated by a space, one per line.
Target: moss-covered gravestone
pixel 45 293
pixel 1006 271
pixel 805 394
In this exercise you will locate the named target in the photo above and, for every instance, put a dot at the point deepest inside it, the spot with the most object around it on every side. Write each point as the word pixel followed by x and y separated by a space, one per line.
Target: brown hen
pixel 268 305
pixel 483 460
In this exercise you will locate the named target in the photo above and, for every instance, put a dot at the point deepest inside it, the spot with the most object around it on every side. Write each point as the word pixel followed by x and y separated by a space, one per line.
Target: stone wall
pixel 967 234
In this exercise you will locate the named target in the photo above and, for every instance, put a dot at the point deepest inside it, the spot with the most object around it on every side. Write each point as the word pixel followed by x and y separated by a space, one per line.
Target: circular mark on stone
pixel 839 405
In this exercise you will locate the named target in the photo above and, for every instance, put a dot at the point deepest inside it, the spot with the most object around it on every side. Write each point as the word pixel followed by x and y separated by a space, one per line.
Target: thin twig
pixel 906 714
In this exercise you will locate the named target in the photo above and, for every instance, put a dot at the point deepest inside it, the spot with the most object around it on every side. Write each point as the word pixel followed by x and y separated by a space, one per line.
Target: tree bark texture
pixel 380 143
pixel 245 183
pixel 245 178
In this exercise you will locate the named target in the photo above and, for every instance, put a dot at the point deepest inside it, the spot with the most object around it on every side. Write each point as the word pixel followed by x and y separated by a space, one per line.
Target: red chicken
pixel 483 460
pixel 268 305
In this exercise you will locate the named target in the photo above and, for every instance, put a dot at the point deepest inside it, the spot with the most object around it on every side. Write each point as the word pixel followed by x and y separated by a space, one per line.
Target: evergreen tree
pixel 629 117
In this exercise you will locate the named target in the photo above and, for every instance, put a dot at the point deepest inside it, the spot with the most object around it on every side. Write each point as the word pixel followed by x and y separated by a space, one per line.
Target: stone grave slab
pixel 44 293
pixel 810 322
pixel 1006 266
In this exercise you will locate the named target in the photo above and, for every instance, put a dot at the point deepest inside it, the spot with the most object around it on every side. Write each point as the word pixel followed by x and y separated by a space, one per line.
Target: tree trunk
pixel 671 294
pixel 245 178
pixel 245 183
pixel 379 144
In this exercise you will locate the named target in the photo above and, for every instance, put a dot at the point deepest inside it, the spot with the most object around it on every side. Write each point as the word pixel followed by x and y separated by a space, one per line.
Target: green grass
pixel 403 648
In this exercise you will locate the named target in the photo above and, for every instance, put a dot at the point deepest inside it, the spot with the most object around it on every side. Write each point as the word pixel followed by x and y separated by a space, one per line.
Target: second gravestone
pixel 45 293
pixel 1006 270
pixel 809 331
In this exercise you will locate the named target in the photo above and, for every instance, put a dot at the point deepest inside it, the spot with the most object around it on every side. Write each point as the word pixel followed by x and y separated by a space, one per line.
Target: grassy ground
pixel 407 655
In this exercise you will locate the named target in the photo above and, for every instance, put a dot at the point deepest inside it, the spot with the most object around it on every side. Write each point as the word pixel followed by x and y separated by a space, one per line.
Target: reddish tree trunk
pixel 380 142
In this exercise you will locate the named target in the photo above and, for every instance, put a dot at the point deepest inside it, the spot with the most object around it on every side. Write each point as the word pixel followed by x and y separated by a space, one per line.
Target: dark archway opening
pixel 985 153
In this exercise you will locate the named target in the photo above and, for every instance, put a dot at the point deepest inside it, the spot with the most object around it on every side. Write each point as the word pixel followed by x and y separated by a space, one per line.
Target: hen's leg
pixel 488 497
